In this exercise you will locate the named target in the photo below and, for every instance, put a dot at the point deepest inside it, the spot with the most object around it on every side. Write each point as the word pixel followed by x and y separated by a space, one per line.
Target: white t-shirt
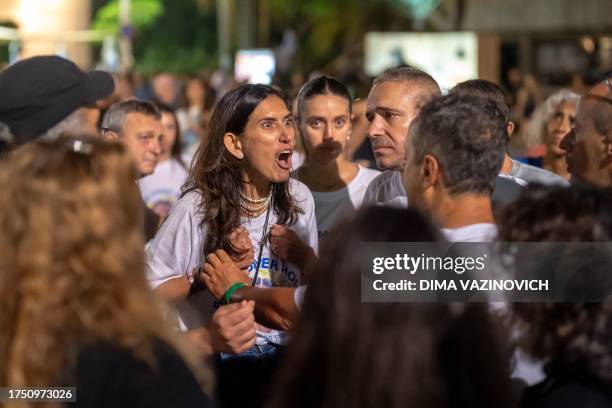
pixel 176 251
pixel 386 190
pixel 333 206
pixel 517 180
pixel 483 232
pixel 298 296
pixel 161 189
pixel 527 369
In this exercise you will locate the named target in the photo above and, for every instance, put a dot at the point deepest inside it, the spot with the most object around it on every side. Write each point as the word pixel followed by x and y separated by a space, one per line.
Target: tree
pixel 176 36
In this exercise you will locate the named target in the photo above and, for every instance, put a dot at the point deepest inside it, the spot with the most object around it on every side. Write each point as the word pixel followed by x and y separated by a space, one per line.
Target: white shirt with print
pixel 163 187
pixel 176 251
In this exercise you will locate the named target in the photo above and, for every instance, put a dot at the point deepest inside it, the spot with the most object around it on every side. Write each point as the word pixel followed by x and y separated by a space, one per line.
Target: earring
pixel 240 155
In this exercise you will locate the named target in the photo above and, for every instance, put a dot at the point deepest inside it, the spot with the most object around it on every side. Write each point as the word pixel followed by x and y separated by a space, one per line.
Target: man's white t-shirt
pixel 161 189
pixel 526 368
pixel 482 232
pixel 334 206
pixel 176 251
pixel 387 190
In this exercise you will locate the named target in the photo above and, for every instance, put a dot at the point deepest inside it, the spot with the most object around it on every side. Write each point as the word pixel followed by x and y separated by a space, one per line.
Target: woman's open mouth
pixel 283 160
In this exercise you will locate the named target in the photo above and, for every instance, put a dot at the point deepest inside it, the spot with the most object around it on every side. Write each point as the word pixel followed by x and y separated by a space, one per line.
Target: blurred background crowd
pixel 187 54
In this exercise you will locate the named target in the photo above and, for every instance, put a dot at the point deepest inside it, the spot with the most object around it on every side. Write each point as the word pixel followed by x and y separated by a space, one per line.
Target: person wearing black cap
pixel 46 96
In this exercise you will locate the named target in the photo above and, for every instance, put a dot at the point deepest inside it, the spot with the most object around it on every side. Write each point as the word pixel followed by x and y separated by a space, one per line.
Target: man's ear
pixel 510 128
pixel 430 170
pixel 233 145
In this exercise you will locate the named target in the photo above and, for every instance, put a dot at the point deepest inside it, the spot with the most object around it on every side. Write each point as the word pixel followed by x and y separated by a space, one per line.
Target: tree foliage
pixel 176 36
pixel 142 14
pixel 181 35
pixel 329 30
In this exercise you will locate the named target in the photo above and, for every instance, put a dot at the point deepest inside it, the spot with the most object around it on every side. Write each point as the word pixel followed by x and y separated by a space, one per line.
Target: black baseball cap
pixel 37 93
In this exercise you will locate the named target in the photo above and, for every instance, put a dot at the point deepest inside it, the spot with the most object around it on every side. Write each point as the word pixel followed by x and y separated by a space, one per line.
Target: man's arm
pixel 274 307
pixel 231 330
pixel 176 289
pixel 173 289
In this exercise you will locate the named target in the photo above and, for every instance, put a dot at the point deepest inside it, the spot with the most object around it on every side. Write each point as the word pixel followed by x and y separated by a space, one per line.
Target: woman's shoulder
pixel 299 190
pixel 189 201
pixel 187 207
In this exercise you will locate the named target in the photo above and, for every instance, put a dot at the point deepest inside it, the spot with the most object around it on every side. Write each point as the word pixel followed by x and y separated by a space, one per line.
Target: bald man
pixel 589 144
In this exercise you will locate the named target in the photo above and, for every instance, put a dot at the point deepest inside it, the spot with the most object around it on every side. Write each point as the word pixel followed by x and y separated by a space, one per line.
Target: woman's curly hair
pixel 570 336
pixel 72 264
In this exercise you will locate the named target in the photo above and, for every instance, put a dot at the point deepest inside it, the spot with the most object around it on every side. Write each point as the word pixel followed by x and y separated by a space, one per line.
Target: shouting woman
pixel 239 183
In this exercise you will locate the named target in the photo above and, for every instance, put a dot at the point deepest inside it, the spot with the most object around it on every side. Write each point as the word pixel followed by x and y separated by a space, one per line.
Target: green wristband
pixel 228 294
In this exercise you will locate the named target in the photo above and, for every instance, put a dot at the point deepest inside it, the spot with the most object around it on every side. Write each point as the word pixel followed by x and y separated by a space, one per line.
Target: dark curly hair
pixel 485 89
pixel 573 337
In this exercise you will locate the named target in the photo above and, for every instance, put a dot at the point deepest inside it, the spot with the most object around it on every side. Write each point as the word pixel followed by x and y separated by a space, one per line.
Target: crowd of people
pixel 162 254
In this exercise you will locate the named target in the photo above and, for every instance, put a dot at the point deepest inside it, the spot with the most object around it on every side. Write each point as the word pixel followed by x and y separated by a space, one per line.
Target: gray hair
pixel 6 139
pixel 73 124
pixel 467 135
pixel 409 74
pixel 537 126
pixel 114 118
pixel 5 134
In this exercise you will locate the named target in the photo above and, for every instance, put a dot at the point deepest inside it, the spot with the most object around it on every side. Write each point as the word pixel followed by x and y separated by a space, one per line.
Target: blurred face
pixel 194 92
pixel 514 77
pixel 589 153
pixel 267 141
pixel 326 126
pixel 559 124
pixel 169 129
pixel 391 107
pixel 164 87
pixel 142 134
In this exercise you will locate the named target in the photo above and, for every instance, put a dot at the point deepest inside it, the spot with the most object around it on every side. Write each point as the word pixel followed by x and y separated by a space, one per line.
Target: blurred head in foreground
pixel 72 270
pixel 346 353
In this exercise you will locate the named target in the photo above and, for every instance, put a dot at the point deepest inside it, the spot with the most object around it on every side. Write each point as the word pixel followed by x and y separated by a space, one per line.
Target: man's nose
pixel 156 146
pixel 375 128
